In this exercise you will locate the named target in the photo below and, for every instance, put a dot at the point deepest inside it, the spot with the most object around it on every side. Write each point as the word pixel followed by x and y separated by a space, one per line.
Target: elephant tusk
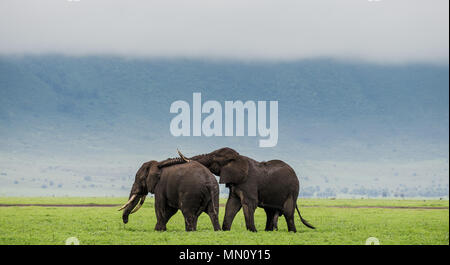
pixel 182 156
pixel 128 202
pixel 140 204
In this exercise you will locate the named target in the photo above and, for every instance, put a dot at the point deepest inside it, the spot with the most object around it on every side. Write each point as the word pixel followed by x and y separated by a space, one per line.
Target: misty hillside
pixel 102 87
pixel 89 122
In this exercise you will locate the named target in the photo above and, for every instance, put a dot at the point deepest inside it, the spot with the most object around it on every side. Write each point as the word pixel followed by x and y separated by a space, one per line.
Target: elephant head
pixel 226 163
pixel 146 179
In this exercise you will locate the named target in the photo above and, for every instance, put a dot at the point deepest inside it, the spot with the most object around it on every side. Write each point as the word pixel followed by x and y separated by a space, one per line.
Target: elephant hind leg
pixel 275 220
pixel 190 221
pixel 288 212
pixel 213 213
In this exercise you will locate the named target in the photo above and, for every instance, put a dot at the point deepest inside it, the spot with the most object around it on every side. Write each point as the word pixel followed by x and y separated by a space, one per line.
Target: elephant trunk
pixel 129 206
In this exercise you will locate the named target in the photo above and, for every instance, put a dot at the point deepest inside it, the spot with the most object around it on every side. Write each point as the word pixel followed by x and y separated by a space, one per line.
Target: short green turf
pixel 336 226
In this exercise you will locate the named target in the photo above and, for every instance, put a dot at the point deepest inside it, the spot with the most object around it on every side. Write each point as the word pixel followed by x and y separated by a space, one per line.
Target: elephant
pixel 189 187
pixel 271 185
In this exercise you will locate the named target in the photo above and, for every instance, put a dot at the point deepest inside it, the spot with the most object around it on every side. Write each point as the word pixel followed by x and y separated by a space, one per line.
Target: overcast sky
pixel 380 31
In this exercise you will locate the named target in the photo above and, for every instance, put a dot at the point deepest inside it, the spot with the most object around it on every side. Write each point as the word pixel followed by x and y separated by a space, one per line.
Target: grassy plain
pixel 338 222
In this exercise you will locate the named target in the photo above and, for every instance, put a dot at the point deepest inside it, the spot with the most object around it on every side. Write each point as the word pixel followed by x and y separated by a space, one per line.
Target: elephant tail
pixel 303 220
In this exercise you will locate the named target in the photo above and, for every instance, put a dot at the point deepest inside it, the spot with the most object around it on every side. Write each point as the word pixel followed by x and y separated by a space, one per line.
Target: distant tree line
pixel 400 191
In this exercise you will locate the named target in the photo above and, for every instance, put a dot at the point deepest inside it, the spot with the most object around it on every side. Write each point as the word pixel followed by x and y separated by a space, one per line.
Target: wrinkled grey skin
pixel 189 187
pixel 272 185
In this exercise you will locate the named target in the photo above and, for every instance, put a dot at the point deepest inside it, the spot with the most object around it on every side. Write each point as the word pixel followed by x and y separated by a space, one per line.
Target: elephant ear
pixel 154 173
pixel 235 172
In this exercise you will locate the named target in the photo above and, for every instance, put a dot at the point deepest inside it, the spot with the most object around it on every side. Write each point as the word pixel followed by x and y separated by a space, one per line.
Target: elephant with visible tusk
pixel 190 187
pixel 272 185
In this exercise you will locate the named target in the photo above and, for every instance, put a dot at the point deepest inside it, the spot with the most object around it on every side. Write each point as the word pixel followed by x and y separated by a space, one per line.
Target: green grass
pixel 341 226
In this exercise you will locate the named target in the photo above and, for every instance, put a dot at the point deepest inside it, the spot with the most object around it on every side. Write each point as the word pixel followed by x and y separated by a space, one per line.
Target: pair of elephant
pixel 188 184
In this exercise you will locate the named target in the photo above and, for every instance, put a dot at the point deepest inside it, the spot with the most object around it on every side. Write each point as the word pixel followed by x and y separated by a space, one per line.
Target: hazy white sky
pixel 380 31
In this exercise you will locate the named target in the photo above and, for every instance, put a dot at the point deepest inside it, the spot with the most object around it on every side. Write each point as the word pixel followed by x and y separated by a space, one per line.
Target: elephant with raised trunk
pixel 189 187
pixel 272 185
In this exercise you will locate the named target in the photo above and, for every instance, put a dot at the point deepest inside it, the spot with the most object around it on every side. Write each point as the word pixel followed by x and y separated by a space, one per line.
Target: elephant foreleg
pixel 249 207
pixel 163 216
pixel 269 222
pixel 249 212
pixel 272 219
pixel 232 207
